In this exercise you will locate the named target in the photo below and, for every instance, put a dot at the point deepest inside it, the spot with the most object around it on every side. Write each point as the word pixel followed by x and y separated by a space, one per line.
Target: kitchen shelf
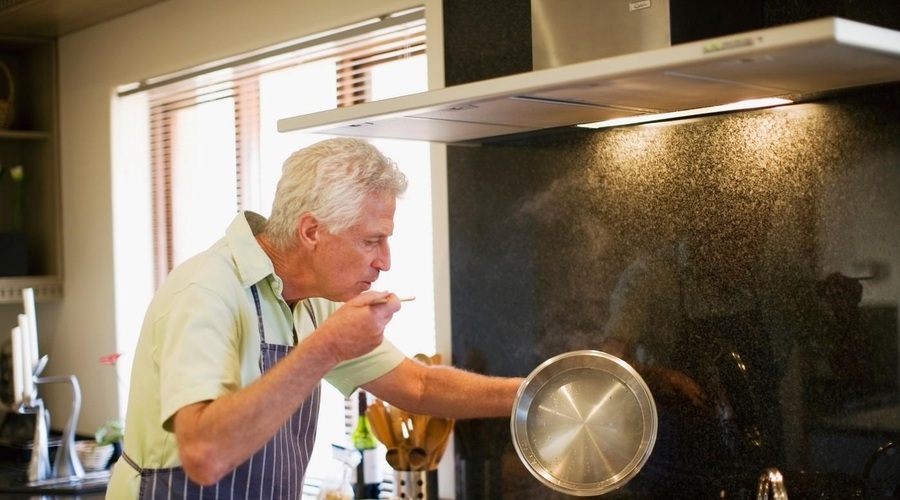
pixel 32 141
pixel 793 61
pixel 24 135
pixel 45 288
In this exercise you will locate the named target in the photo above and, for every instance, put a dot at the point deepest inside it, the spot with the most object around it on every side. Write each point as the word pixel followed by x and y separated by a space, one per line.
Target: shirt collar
pixel 252 263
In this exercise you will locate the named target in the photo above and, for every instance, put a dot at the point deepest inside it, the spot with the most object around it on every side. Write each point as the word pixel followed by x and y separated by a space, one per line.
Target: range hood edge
pixel 793 60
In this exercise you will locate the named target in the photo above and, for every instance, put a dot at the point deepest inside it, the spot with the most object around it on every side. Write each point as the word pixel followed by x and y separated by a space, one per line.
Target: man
pixel 225 386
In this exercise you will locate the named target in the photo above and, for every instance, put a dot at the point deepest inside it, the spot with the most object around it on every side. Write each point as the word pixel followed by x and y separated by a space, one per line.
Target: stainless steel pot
pixel 584 423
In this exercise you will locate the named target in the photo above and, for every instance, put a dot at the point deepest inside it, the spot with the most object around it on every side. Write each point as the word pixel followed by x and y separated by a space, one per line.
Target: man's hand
pixel 358 326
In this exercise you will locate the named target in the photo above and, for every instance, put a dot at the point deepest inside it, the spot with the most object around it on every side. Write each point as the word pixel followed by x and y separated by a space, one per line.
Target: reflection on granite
pixel 14 481
pixel 769 234
pixel 544 227
pixel 884 419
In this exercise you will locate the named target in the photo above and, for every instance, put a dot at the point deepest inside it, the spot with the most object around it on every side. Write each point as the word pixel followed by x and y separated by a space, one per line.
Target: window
pixel 214 131
pixel 214 150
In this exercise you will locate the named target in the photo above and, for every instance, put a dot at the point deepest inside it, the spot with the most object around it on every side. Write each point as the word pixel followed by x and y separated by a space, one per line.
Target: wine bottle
pixel 368 480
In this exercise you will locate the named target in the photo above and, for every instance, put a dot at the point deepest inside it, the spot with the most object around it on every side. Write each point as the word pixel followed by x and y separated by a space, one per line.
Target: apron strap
pixel 262 331
pixel 309 310
pixel 307 304
pixel 132 463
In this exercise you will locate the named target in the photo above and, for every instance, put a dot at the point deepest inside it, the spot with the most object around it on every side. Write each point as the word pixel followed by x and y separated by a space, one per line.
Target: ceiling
pixel 55 18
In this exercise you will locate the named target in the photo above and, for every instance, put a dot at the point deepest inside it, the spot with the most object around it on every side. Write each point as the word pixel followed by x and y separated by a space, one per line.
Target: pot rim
pixel 567 385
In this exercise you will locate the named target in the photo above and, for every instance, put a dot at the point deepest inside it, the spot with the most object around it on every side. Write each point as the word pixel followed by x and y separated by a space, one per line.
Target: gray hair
pixel 330 179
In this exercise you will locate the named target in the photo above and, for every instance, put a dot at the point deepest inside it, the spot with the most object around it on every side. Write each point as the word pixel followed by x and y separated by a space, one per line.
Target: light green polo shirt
pixel 200 341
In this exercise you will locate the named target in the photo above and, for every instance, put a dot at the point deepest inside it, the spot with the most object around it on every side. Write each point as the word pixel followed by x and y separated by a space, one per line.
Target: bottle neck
pixel 363 403
pixel 363 439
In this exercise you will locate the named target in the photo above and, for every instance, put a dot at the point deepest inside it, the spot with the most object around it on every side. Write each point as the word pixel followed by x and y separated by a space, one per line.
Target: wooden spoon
pixel 418 459
pixel 395 458
pixel 418 430
pixel 423 358
pixel 381 425
pixel 397 418
pixel 436 437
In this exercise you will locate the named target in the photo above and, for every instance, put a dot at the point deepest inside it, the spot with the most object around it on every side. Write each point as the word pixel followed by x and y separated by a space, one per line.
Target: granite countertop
pixel 42 496
pixel 16 431
pixel 14 485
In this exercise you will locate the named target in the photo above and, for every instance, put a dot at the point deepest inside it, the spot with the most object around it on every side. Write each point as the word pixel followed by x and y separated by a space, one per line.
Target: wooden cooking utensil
pixel 418 459
pixel 397 418
pixel 396 459
pixel 423 358
pixel 384 300
pixel 436 437
pixel 381 425
pixel 418 430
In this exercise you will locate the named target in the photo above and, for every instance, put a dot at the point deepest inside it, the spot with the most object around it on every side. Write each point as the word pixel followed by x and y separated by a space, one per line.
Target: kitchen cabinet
pixel 31 140
pixel 798 61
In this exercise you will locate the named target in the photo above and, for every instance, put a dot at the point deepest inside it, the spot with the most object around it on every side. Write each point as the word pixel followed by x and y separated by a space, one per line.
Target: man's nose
pixel 383 261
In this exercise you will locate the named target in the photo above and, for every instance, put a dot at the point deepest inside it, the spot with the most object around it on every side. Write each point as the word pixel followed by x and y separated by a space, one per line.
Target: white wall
pixel 166 37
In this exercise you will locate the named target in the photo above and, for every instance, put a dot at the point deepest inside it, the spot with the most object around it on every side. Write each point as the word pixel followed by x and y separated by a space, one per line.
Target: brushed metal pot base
pixel 584 423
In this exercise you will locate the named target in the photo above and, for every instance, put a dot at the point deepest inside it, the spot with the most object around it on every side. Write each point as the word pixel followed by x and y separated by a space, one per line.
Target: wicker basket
pixel 7 110
pixel 93 456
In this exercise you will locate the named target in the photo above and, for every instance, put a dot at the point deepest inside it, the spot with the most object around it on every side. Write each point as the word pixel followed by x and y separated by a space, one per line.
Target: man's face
pixel 348 262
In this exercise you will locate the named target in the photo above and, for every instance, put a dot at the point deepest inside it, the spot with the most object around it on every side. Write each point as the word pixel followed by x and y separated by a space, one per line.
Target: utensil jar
pixel 415 484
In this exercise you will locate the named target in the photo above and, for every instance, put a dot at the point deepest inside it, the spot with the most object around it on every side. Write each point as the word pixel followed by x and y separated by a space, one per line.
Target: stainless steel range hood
pixel 793 60
pixel 559 28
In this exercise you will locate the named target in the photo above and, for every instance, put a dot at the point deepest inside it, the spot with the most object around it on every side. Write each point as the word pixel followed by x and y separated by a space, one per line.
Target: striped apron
pixel 274 472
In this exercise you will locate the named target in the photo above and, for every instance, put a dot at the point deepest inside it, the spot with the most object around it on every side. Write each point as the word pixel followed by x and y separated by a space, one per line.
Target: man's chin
pixel 349 295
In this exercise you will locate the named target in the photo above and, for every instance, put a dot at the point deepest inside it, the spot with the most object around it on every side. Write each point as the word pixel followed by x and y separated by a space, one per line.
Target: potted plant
pixel 104 449
pixel 110 432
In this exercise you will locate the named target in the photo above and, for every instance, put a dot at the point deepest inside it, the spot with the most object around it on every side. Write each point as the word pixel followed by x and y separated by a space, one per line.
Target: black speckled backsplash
pixel 639 233
pixel 772 234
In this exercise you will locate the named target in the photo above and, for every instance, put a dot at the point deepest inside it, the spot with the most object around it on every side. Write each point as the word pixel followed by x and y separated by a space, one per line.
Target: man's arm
pixel 445 391
pixel 216 436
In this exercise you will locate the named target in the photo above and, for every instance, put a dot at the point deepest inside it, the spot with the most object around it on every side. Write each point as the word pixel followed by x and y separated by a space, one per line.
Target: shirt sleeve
pixel 350 374
pixel 198 346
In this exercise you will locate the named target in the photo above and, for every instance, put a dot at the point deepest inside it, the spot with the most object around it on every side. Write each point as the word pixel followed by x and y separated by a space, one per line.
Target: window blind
pixel 355 50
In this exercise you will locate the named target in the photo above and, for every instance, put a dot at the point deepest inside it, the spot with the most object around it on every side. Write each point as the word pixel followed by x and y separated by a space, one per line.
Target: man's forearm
pixel 457 393
pixel 445 391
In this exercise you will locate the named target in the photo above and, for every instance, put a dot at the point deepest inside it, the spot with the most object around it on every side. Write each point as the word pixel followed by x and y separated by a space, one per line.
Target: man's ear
pixel 308 230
